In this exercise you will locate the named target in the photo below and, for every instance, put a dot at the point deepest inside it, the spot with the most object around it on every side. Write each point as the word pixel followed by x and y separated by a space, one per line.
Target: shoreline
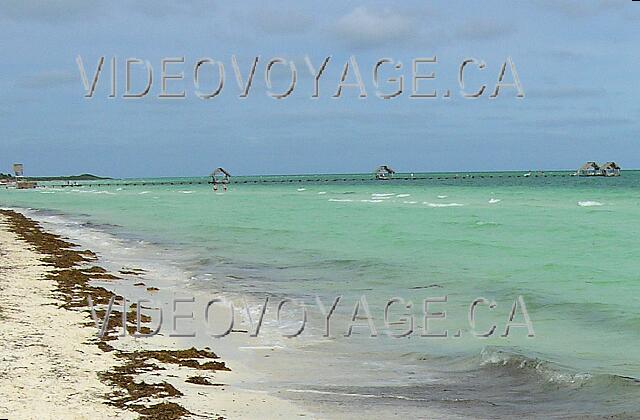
pixel 72 371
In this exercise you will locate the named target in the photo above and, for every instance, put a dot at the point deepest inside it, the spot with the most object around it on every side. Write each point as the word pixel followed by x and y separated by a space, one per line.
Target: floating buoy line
pixel 310 179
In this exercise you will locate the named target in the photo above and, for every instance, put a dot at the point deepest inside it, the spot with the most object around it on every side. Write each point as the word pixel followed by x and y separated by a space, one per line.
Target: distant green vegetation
pixel 81 177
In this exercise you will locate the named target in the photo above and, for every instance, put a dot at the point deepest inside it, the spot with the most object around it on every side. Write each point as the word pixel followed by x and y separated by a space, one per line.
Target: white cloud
pixel 363 28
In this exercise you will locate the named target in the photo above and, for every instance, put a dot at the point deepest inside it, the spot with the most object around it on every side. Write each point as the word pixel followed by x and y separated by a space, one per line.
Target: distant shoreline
pixel 81 177
pixel 91 177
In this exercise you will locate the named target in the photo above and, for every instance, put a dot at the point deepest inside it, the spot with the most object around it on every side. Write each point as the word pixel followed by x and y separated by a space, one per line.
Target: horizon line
pixel 318 173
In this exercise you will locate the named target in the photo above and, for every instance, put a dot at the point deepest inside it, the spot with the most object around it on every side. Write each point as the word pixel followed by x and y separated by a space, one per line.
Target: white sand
pixel 49 368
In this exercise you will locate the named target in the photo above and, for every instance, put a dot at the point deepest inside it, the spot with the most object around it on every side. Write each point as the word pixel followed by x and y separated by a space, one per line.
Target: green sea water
pixel 569 246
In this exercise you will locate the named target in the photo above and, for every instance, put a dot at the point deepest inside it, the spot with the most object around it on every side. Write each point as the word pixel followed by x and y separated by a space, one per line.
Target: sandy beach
pixel 55 366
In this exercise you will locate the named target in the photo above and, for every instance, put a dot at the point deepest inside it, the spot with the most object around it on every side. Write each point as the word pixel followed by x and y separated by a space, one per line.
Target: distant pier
pixel 324 179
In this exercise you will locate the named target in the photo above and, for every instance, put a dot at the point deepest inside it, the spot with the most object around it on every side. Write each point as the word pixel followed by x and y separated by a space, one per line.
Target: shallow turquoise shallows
pixel 569 246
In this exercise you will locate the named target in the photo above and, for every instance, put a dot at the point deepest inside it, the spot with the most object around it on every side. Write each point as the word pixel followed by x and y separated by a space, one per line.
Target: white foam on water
pixel 47 192
pixel 442 196
pixel 342 200
pixel 345 394
pixel 143 192
pixel 371 201
pixel 186 192
pixel 302 189
pixel 274 347
pixel 352 394
pixel 117 252
pixel 589 203
pixel 381 195
pixel 481 223
pixel 403 195
pixel 322 193
pixel 494 201
pixel 442 204
pixel 410 202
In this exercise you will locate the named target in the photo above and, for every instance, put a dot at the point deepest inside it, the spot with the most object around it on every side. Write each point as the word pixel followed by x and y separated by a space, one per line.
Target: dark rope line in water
pixel 322 180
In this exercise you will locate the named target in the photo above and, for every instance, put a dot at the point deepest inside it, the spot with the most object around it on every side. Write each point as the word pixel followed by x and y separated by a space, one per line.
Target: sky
pixel 577 62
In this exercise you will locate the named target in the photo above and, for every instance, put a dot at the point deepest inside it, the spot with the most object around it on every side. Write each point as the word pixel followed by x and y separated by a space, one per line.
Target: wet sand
pixel 55 365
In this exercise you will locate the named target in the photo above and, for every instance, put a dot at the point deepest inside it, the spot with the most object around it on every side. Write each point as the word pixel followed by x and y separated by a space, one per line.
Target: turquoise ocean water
pixel 570 247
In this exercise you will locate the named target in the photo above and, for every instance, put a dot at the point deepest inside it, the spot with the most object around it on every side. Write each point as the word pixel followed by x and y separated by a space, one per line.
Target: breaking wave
pixel 442 204
pixel 589 203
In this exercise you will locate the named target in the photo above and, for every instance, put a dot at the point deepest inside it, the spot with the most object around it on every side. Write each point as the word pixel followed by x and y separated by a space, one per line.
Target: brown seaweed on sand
pixel 201 380
pixel 132 271
pixel 72 286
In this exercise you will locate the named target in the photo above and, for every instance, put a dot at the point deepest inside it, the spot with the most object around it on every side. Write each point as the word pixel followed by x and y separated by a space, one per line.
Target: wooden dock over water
pixel 307 179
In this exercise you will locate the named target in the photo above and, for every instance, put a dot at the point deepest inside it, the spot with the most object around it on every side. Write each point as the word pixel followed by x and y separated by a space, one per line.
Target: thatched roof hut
pixel 593 169
pixel 220 176
pixel 384 172
pixel 610 169
pixel 589 169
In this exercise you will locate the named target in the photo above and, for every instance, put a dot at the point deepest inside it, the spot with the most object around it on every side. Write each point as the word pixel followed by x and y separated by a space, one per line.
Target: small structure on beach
pixel 18 170
pixel 610 169
pixel 25 185
pixel 384 172
pixel 21 183
pixel 593 169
